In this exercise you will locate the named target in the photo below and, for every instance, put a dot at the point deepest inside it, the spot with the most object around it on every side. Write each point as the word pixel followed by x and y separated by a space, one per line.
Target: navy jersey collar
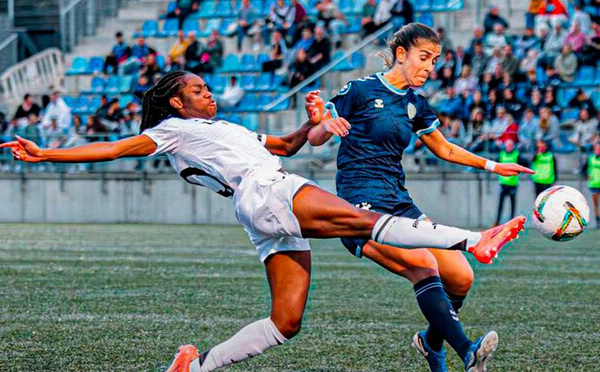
pixel 390 86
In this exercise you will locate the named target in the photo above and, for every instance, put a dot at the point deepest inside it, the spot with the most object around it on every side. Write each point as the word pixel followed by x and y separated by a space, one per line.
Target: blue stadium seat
pixel 160 61
pixel 70 101
pixel 126 83
pixel 97 85
pixel 263 82
pixel 439 5
pixel 207 9
pixel 248 103
pixel 224 9
pixel 96 64
pixel 595 97
pixel 358 6
pixel 260 59
pixel 422 5
pixel 171 6
pixel 540 75
pixel 263 100
pixel 247 63
pixel 251 122
pixel 570 114
pixel 585 75
pixel 150 28
pixel 284 105
pixel 170 27
pixel 235 118
pixel 125 99
pixel 277 82
pixel 212 24
pixel 353 26
pixel 230 63
pixel 248 82
pixel 93 104
pixel 565 95
pixel 79 65
pixel 344 65
pixel 218 83
pixel 258 5
pixel 113 84
pixel 346 6
pixel 426 18
pixel 312 86
pixel 191 25
pixel 358 61
pixel 224 26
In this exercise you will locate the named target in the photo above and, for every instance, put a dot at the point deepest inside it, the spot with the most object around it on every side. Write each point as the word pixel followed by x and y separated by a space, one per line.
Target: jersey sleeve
pixel 166 135
pixel 342 104
pixel 426 120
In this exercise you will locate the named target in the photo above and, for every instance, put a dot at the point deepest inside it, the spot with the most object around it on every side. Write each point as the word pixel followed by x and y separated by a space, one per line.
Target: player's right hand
pixel 315 106
pixel 24 150
pixel 339 126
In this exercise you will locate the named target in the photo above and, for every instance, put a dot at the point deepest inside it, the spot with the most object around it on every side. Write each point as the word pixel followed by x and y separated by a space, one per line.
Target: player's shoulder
pixel 357 86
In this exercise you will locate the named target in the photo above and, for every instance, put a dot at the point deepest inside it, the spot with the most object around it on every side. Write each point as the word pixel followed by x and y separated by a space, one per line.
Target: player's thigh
pixel 288 274
pixel 324 215
pixel 414 264
pixel 455 271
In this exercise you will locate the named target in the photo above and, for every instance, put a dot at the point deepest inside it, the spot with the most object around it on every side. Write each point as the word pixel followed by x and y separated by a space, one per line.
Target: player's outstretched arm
pixel 325 126
pixel 437 143
pixel 28 151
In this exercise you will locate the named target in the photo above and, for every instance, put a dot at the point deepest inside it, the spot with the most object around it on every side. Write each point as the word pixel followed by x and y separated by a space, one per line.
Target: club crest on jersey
pixel 345 89
pixel 411 110
pixel 378 103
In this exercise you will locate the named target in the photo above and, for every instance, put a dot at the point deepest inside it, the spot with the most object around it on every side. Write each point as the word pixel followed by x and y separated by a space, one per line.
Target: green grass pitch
pixel 123 297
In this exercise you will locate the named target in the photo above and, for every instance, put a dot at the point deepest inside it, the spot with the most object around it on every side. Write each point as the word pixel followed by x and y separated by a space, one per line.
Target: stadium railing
pixel 9 51
pixel 38 72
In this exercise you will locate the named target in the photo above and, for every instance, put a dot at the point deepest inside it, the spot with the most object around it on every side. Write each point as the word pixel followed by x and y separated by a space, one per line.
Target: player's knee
pixel 422 266
pixel 461 282
pixel 290 326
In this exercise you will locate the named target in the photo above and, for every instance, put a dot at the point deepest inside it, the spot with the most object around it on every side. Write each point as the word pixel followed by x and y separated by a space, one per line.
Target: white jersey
pixel 213 153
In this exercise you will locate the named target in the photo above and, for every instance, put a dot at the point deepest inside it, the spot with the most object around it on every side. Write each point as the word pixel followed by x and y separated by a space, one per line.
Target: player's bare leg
pixel 595 200
pixel 324 215
pixel 288 274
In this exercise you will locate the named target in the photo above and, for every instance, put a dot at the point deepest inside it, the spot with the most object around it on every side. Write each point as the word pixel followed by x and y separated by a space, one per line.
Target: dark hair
pixel 406 37
pixel 119 34
pixel 155 105
pixel 27 95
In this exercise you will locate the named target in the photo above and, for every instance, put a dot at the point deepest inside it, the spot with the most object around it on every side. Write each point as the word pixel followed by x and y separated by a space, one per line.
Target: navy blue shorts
pixel 595 190
pixel 408 210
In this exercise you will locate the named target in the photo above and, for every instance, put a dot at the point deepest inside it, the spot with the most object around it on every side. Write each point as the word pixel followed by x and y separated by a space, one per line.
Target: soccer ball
pixel 561 213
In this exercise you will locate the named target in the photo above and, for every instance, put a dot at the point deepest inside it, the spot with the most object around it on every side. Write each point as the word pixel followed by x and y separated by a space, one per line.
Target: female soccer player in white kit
pixel 278 210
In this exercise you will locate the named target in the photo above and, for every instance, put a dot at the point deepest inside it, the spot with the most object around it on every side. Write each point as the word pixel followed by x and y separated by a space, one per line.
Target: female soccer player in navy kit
pixel 384 112
pixel 278 210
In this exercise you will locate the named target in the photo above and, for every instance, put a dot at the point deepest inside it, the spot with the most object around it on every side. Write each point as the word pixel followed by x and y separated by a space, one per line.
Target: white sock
pixel 404 232
pixel 252 340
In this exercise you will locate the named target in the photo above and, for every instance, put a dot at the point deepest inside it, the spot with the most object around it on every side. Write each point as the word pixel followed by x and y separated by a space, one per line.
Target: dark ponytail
pixel 155 105
pixel 406 37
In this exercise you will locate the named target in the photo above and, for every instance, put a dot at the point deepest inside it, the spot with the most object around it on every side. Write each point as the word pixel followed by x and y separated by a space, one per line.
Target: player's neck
pixel 396 78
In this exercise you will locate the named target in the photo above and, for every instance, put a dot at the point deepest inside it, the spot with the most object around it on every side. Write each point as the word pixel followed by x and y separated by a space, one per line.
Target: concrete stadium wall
pixel 454 199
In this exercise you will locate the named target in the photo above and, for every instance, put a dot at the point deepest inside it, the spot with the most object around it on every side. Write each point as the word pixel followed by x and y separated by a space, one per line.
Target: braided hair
pixel 406 37
pixel 155 105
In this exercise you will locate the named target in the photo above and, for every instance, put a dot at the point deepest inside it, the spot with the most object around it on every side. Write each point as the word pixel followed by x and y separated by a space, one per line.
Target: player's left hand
pixel 315 106
pixel 511 169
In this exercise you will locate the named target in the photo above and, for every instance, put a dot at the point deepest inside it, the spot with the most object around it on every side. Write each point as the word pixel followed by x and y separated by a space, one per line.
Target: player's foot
pixel 480 352
pixel 184 357
pixel 436 359
pixel 493 240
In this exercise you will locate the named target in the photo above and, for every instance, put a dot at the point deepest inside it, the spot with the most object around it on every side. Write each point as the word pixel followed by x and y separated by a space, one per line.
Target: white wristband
pixel 490 165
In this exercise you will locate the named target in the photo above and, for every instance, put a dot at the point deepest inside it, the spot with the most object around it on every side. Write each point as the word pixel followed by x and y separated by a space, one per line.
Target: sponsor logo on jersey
pixel 411 110
pixel 364 205
pixel 378 103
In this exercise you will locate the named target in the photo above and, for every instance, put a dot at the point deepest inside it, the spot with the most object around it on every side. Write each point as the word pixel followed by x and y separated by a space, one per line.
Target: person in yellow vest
pixel 592 167
pixel 544 165
pixel 509 184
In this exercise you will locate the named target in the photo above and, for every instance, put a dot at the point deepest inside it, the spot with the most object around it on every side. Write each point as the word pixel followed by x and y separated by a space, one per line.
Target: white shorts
pixel 263 205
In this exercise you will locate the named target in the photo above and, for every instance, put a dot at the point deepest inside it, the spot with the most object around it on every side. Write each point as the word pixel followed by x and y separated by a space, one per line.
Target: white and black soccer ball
pixel 561 213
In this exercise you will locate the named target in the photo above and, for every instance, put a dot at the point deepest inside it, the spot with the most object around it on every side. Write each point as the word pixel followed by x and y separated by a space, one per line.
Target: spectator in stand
pixel 367 20
pixel 447 78
pixel 451 128
pixel 301 21
pixel 432 85
pixel 576 38
pixel 212 56
pixel 479 60
pixel 334 21
pixel 52 137
pixel 498 129
pixel 76 134
pixel 510 63
pixel 119 54
pixel 528 131
pixel 451 104
pixel 493 18
pixel 566 64
pixel 466 82
pixel 110 119
pixel 27 108
pixel 513 106
pixel 320 53
pixel 544 165
pixel 140 50
pixel 496 40
pixel 536 102
pixel 281 18
pixel 57 109
pixel 33 131
pixel 550 101
pixel 300 69
pixel 13 129
pixel 508 185
pixel 141 86
pixel 132 120
pixel 583 102
pixel 232 95
pixel 591 169
pixel 276 54
pixel 552 78
pixel 383 14
pixel 459 60
pixel 476 102
pixel 448 62
pixel 183 10
pixel 477 38
pixel 178 50
pixel 586 130
pixel 150 68
pixel 403 12
pixel 592 49
pixel 532 12
pixel 492 104
pixel 247 19
pixel 549 127
pixel 306 41
pixel 526 42
pixel 511 133
pixel 554 43
pixel 595 10
pixel 193 53
pixel 445 42
pixel 529 63
pixel 582 19
pixel 477 131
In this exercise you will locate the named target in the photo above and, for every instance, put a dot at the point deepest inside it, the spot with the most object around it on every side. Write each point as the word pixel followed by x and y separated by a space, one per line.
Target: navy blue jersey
pixel 383 119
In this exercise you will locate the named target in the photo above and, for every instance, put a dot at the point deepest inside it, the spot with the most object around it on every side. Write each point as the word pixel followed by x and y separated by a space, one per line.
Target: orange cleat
pixel 183 359
pixel 493 240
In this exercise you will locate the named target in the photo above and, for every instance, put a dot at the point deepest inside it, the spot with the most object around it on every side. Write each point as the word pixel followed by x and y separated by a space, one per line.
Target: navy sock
pixel 440 314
